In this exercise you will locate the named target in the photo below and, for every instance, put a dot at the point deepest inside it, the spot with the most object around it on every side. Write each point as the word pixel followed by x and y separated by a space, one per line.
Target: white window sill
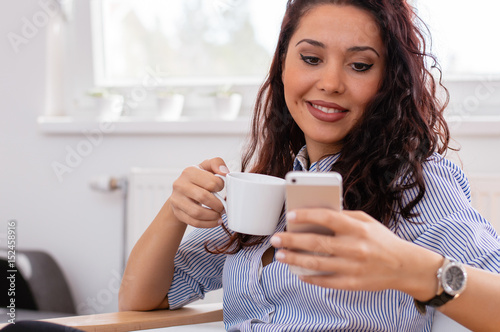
pixel 479 126
pixel 144 126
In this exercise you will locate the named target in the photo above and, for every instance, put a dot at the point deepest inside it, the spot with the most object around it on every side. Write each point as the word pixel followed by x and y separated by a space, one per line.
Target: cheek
pixel 289 87
pixel 367 92
pixel 296 84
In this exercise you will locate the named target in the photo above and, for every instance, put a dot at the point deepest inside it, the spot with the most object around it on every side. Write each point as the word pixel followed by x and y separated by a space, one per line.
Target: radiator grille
pixel 148 190
pixel 486 197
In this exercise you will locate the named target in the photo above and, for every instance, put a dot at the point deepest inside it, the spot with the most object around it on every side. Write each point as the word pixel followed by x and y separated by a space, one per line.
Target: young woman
pixel 348 91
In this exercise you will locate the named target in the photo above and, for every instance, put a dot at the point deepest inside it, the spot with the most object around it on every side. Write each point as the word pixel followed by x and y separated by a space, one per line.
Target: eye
pixel 310 60
pixel 361 67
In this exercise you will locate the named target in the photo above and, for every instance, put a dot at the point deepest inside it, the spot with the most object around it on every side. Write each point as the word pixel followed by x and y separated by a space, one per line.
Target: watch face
pixel 454 279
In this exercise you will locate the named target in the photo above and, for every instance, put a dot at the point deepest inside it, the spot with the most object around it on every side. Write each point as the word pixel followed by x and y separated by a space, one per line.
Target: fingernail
pixel 276 241
pixel 224 169
pixel 290 216
pixel 220 221
pixel 280 255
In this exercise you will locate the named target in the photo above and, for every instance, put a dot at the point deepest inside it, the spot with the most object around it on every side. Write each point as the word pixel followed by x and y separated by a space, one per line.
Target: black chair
pixel 41 290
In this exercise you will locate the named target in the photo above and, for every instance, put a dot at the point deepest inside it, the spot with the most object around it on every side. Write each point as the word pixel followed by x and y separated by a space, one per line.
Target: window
pixel 464 39
pixel 464 35
pixel 200 43
pixel 188 41
pixel 205 40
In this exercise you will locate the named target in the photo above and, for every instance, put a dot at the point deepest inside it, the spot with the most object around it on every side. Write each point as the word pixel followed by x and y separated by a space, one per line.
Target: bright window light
pixel 231 41
pixel 464 35
pixel 188 40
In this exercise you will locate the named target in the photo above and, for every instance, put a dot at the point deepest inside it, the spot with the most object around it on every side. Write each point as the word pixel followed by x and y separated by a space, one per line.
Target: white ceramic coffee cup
pixel 254 202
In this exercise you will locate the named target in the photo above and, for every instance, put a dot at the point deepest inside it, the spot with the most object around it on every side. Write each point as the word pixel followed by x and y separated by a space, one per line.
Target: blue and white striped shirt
pixel 270 298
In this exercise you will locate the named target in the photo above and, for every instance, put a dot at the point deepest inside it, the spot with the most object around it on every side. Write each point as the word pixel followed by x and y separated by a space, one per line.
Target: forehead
pixel 340 25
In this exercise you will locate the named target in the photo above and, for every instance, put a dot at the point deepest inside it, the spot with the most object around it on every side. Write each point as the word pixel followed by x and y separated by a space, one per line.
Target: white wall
pixel 81 228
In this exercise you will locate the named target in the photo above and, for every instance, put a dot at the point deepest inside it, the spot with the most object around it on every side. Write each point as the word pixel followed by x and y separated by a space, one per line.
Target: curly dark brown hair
pixel 400 129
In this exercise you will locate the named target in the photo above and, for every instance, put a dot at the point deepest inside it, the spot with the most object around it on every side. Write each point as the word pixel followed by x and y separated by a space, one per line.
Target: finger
pixel 205 199
pixel 200 178
pixel 195 210
pixel 359 215
pixel 332 245
pixel 352 281
pixel 199 185
pixel 320 262
pixel 335 281
pixel 187 195
pixel 339 222
pixel 187 219
pixel 215 166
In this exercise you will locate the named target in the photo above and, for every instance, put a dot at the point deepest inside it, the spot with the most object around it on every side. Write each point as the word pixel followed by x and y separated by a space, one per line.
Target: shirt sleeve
pixel 446 221
pixel 196 271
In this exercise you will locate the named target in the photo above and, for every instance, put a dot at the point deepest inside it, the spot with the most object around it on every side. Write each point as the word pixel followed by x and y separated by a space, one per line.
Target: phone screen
pixel 312 196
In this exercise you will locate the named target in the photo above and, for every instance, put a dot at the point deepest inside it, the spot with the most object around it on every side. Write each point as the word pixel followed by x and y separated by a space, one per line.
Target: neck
pixel 317 151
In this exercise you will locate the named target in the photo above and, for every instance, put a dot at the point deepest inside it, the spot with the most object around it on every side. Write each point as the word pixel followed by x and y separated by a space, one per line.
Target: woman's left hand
pixel 362 255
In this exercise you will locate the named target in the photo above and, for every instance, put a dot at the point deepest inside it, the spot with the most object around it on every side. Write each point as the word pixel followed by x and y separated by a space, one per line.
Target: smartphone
pixel 312 190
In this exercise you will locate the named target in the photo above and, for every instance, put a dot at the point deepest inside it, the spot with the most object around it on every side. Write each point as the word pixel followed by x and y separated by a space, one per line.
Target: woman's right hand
pixel 192 199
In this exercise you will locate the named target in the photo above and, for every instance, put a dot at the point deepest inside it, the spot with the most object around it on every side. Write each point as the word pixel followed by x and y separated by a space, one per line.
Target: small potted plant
pixel 227 103
pixel 169 103
pixel 108 105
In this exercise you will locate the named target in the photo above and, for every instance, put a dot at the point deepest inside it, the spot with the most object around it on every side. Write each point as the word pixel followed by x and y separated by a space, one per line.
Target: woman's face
pixel 333 68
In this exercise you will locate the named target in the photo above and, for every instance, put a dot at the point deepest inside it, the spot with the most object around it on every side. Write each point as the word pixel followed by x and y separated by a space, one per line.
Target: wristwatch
pixel 452 279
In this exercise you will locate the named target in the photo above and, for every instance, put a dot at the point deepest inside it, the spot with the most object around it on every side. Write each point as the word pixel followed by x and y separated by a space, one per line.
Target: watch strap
pixel 436 301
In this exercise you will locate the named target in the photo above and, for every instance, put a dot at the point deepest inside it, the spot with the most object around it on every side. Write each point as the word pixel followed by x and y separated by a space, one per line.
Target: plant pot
pixel 227 107
pixel 109 107
pixel 170 106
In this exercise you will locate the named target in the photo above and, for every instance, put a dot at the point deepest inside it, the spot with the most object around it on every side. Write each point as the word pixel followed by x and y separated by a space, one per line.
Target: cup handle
pixel 223 201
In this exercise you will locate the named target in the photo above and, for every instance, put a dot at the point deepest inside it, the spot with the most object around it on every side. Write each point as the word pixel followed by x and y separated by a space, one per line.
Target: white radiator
pixel 148 190
pixel 486 196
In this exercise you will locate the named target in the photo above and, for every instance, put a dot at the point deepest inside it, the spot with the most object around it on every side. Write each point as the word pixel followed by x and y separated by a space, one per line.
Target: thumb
pixel 215 165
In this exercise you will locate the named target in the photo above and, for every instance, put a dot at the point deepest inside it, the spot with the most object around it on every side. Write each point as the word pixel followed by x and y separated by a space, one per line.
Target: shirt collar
pixel 301 162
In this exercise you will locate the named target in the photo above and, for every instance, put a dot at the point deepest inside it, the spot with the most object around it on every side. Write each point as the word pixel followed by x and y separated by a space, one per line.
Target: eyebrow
pixel 350 50
pixel 312 42
pixel 363 48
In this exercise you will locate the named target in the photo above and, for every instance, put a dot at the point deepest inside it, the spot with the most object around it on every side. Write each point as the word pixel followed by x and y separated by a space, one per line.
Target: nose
pixel 331 79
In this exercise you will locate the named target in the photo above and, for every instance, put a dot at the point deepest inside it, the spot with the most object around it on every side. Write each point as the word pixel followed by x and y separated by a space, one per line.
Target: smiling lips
pixel 324 111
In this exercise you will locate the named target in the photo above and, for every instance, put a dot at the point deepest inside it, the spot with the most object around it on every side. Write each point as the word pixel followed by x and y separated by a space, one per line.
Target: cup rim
pixel 275 180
